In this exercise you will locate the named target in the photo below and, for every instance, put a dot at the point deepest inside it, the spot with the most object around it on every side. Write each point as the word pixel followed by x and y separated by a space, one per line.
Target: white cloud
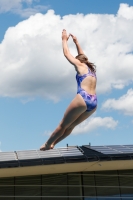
pixel 26 100
pixel 94 123
pixel 32 63
pixel 46 132
pixel 8 5
pixel 123 104
pixel 24 8
pixel 125 12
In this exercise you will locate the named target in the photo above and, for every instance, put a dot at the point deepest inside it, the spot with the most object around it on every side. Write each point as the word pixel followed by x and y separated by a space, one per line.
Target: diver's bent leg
pixel 65 134
pixel 74 110
pixel 80 119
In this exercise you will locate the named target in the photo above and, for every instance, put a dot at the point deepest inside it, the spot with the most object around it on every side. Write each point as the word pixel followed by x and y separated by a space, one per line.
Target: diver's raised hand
pixel 64 35
pixel 74 38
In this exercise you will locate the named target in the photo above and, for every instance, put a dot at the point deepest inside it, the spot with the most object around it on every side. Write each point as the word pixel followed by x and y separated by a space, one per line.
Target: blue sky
pixel 37 83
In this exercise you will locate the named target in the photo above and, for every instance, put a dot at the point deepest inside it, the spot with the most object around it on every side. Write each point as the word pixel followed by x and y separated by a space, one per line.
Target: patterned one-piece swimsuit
pixel 90 100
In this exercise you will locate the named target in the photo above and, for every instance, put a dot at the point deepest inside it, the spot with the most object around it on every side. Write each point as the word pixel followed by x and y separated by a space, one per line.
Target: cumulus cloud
pixel 94 123
pixel 123 104
pixel 24 8
pixel 125 12
pixel 32 63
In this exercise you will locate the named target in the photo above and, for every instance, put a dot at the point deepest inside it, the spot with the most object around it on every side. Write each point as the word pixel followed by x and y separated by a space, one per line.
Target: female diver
pixel 84 103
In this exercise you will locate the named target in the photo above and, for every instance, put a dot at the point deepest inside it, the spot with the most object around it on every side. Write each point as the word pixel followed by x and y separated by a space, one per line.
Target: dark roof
pixel 70 154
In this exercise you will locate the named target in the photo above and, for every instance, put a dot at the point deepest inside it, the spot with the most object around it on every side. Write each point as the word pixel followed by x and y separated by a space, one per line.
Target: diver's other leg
pixel 80 119
pixel 74 110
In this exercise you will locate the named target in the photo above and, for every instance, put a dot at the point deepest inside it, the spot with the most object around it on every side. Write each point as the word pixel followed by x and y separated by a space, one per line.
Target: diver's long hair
pixel 83 59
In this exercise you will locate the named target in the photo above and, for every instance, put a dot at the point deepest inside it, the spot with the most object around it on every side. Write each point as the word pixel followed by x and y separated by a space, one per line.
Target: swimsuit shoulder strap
pixel 91 73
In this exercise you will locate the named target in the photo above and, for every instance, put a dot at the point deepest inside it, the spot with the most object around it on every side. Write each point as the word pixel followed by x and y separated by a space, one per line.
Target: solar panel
pixel 52 153
pixel 25 155
pixel 70 151
pixel 36 154
pixel 7 156
pixel 113 149
pixel 130 146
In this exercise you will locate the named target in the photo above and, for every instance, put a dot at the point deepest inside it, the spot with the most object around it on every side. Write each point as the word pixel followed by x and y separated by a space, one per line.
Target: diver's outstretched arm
pixel 66 51
pixel 79 49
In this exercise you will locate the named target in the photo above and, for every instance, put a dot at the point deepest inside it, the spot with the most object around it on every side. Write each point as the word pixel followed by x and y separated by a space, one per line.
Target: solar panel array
pixel 66 154
pixel 53 153
pixel 113 149
pixel 37 154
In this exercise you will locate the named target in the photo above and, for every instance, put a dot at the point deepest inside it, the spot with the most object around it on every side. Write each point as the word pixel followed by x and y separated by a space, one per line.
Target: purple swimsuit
pixel 90 100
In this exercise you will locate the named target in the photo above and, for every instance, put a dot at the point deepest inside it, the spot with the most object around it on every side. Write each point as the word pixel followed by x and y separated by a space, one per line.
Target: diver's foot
pixel 52 146
pixel 46 146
